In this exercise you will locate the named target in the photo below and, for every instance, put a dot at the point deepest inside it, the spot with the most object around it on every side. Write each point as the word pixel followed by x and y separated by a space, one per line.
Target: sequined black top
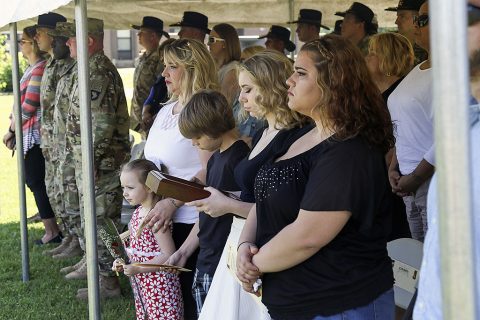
pixel 247 169
pixel 354 268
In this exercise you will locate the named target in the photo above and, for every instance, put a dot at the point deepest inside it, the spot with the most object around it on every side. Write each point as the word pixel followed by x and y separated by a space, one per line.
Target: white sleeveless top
pixel 166 145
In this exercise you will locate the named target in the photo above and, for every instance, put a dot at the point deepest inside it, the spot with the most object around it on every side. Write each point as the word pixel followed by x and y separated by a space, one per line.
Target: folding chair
pixel 406 255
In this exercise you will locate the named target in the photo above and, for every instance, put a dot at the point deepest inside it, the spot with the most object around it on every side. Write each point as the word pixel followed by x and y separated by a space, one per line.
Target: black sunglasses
pixel 420 21
pixel 473 14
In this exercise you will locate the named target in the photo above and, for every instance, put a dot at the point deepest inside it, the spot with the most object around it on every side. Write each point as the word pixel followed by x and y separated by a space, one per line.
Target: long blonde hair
pixel 200 71
pixel 269 71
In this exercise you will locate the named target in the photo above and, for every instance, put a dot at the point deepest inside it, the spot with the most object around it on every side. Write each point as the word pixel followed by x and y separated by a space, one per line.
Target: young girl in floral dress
pixel 157 293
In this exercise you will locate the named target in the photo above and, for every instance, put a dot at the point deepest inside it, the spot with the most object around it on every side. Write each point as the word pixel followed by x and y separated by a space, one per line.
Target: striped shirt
pixel 30 102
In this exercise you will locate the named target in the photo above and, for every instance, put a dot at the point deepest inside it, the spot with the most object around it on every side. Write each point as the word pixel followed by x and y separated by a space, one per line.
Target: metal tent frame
pixel 451 136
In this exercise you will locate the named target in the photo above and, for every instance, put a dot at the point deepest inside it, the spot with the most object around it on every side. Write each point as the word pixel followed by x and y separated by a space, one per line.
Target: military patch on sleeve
pixel 96 86
pixel 95 94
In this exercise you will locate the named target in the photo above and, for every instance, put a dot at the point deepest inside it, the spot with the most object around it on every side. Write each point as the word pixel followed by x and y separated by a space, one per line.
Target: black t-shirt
pixel 214 232
pixel 386 93
pixel 247 169
pixel 354 268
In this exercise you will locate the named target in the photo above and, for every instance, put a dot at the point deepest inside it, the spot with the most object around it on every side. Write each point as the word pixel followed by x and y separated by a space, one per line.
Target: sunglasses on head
pixel 473 14
pixel 420 21
pixel 212 39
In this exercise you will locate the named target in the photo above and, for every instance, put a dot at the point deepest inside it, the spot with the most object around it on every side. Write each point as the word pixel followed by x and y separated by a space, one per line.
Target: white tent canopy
pixel 14 11
pixel 448 45
pixel 120 14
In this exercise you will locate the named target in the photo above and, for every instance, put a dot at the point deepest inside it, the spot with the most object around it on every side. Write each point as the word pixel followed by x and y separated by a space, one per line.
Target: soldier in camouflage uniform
pixel 359 23
pixel 406 10
pixel 110 124
pixel 48 85
pixel 148 67
pixel 65 196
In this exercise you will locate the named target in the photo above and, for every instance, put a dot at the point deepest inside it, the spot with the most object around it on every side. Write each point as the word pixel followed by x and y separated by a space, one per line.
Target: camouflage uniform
pixel 148 67
pixel 110 124
pixel 65 186
pixel 47 97
pixel 363 45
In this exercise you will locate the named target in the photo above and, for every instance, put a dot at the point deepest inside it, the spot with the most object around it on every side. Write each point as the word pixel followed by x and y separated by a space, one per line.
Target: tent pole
pixel 19 146
pixel 87 159
pixel 291 15
pixel 448 44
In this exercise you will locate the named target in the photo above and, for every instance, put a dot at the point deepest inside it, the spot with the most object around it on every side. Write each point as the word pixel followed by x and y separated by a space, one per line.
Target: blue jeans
pixel 416 208
pixel 382 308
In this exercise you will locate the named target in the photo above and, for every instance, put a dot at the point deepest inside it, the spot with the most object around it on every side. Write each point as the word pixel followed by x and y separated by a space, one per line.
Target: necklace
pixel 268 131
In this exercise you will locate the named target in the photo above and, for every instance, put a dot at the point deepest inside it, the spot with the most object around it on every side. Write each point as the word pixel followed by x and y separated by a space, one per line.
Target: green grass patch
pixel 47 295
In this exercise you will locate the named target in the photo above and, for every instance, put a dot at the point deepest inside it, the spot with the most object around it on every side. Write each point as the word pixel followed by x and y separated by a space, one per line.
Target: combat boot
pixel 109 288
pixel 73 250
pixel 78 274
pixel 65 243
pixel 74 267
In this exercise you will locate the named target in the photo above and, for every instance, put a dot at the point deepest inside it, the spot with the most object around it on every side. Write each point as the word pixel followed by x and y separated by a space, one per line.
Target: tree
pixel 6 66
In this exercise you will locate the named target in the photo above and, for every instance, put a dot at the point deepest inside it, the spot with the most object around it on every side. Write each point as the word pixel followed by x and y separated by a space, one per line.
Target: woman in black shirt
pixel 262 79
pixel 317 235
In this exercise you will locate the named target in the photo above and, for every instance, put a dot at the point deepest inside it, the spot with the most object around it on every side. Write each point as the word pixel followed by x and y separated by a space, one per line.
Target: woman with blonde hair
pixel 157 96
pixel 262 79
pixel 317 235
pixel 390 58
pixel 189 67
pixel 224 46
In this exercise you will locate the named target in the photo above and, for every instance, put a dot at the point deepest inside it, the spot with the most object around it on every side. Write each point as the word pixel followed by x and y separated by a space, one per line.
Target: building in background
pixel 122 47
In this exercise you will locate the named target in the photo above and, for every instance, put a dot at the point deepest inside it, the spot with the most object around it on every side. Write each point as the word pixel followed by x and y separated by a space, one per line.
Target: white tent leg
pixel 291 14
pixel 87 160
pixel 450 92
pixel 20 159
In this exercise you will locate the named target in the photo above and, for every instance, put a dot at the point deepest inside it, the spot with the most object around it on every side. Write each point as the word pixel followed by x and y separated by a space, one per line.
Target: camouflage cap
pixel 62 29
pixel 95 27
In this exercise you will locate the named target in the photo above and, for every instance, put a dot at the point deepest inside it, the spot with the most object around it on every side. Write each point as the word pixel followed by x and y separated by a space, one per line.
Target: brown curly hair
pixel 351 104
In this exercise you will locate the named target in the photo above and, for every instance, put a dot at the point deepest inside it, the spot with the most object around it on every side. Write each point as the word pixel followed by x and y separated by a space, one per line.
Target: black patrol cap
pixel 193 19
pixel 338 27
pixel 413 5
pixel 360 10
pixel 310 16
pixel 281 33
pixel 49 20
pixel 152 23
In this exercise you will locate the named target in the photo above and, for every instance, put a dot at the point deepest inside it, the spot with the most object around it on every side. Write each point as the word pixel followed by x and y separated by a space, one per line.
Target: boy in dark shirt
pixel 208 121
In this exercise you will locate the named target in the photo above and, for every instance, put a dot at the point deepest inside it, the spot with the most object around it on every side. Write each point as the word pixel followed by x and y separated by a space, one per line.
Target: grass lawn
pixel 47 295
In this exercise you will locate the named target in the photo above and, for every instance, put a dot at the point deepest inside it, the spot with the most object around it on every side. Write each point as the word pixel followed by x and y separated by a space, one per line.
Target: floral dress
pixel 157 294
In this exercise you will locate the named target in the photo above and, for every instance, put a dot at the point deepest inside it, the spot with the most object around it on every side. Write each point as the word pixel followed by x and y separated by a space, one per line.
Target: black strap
pixel 408 315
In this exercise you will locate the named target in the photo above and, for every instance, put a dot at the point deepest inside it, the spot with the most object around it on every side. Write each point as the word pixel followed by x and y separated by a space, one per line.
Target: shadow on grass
pixel 47 295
